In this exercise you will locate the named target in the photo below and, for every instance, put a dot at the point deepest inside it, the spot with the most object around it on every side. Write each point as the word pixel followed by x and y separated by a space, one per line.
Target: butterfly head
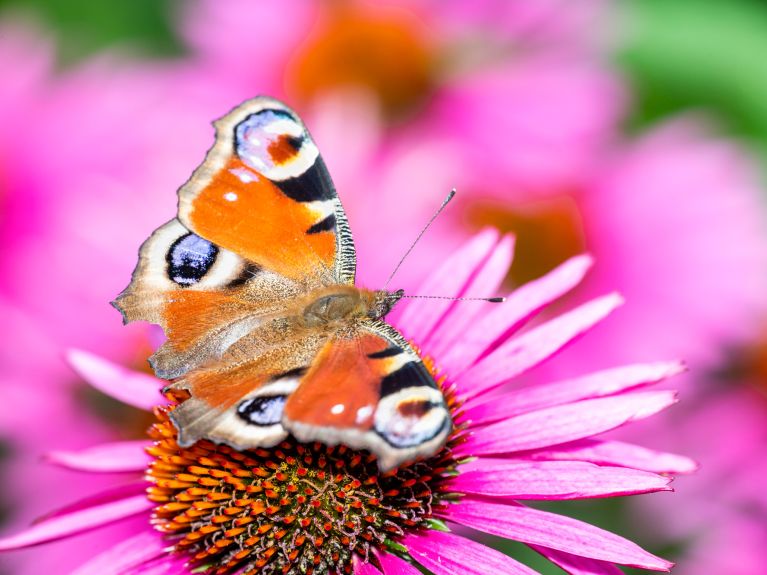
pixel 383 302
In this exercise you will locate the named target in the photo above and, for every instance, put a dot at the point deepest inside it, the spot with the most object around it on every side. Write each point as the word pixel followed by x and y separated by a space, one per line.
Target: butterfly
pixel 267 334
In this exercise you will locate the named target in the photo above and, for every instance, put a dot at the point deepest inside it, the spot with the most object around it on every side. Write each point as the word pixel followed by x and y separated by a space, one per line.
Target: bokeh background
pixel 635 130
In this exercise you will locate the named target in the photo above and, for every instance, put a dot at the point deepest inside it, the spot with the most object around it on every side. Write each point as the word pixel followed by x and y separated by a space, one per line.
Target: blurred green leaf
pixel 683 54
pixel 84 27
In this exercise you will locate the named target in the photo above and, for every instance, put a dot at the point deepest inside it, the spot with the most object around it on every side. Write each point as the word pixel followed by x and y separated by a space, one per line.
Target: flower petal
pixel 529 349
pixel 617 453
pixel 458 319
pixel 575 565
pixel 130 387
pixel 599 384
pixel 448 554
pixel 393 565
pixel 419 318
pixel 110 495
pixel 553 480
pixel 364 568
pixel 165 564
pixel 565 423
pixel 68 524
pixel 536 527
pixel 114 457
pixel 125 555
pixel 519 306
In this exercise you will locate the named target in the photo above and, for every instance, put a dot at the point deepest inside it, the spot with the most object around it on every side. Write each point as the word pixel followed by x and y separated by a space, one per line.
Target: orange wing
pixel 370 391
pixel 263 192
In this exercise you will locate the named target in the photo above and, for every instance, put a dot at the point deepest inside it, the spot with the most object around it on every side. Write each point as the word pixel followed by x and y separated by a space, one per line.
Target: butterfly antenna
pixel 445 202
pixel 488 299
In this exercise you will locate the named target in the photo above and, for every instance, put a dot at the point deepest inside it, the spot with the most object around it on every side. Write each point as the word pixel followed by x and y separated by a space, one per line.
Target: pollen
pixel 294 508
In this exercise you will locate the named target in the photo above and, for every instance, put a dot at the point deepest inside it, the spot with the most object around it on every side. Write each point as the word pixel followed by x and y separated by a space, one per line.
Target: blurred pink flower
pixel 550 24
pixel 537 125
pixel 720 513
pixel 673 218
pixel 421 72
pixel 511 445
pixel 81 163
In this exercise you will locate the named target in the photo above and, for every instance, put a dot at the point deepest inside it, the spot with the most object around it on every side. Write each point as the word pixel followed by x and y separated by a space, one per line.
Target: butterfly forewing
pixel 264 192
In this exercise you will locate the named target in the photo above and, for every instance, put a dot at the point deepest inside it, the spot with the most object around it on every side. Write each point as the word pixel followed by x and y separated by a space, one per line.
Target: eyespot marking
pixel 412 416
pixel 284 148
pixel 269 139
pixel 415 408
pixel 189 258
pixel 264 410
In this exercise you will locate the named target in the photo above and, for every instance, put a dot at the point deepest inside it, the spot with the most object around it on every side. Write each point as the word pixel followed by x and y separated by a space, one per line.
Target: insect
pixel 253 284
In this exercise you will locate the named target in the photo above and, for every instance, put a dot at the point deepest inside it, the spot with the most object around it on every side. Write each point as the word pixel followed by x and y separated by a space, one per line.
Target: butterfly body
pixel 253 284
pixel 342 304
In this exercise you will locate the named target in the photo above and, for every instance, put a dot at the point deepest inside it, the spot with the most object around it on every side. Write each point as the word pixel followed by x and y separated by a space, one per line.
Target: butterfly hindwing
pixel 370 390
pixel 241 403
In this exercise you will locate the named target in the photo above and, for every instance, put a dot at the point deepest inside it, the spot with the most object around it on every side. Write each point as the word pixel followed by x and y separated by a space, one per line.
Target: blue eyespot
pixel 255 140
pixel 189 259
pixel 263 410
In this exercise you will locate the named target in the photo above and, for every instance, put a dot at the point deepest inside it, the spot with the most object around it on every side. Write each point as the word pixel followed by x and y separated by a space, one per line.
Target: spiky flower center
pixel 295 508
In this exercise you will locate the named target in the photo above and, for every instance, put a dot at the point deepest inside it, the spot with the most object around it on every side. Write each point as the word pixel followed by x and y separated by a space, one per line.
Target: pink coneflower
pixel 719 515
pixel 310 508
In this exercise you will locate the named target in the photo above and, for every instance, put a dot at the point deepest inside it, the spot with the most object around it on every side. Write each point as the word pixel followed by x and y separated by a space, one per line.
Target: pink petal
pixel 126 555
pixel 110 495
pixel 165 564
pixel 448 554
pixel 528 349
pixel 600 384
pixel 575 565
pixel 107 458
pixel 393 565
pixel 553 480
pixel 565 423
pixel 420 317
pixel 536 527
pixel 519 306
pixel 160 566
pixel 458 319
pixel 362 568
pixel 130 387
pixel 76 522
pixel 617 453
